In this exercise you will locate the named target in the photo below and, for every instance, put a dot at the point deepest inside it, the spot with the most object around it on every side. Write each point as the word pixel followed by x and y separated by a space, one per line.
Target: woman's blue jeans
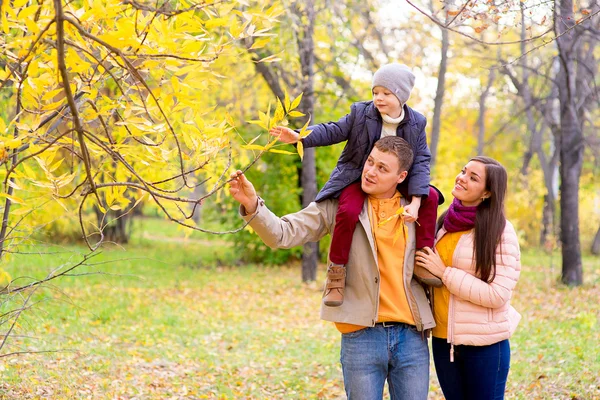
pixel 397 353
pixel 478 372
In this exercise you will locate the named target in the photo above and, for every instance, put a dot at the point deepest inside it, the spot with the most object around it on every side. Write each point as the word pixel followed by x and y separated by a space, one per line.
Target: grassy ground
pixel 171 321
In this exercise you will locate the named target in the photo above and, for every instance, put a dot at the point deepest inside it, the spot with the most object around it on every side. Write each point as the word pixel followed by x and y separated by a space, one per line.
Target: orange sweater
pixel 390 243
pixel 441 296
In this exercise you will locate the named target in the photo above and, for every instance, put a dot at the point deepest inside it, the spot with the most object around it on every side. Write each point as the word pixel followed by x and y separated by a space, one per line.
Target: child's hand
pixel 286 135
pixel 411 212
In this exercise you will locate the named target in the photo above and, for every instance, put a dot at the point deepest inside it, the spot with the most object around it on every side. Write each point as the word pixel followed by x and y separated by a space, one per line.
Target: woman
pixel 477 257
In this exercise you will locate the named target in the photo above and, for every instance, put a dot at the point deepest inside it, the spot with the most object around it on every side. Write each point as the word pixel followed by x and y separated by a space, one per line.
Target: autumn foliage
pixel 110 102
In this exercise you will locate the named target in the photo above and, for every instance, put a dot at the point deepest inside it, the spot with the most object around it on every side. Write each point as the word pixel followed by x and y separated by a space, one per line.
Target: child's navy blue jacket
pixel 361 129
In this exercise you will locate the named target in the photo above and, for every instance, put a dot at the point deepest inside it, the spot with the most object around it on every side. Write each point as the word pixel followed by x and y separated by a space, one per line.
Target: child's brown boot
pixel 334 287
pixel 423 275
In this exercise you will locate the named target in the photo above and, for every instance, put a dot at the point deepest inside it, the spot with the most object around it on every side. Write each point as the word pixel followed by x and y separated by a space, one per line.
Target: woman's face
pixel 469 185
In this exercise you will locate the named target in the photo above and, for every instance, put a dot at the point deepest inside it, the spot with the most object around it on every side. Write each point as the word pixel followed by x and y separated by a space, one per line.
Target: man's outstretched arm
pixel 307 225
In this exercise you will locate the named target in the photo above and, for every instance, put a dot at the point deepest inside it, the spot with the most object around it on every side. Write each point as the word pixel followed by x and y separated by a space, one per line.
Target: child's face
pixel 386 102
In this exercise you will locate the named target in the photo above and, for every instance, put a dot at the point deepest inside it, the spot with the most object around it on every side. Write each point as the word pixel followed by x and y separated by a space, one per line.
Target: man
pixel 385 312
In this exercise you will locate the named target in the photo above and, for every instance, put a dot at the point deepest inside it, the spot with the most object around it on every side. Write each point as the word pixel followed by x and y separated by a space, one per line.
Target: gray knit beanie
pixel 397 78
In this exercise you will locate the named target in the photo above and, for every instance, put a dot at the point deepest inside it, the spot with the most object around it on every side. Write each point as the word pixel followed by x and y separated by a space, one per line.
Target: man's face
pixel 381 174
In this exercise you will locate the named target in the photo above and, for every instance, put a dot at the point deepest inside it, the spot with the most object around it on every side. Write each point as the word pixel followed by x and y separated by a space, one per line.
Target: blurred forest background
pixel 120 122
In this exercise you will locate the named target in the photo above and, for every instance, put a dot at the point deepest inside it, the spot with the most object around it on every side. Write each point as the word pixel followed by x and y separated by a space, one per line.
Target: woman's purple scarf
pixel 459 218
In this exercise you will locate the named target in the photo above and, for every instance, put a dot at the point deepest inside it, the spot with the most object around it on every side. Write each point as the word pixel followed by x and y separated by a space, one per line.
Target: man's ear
pixel 402 176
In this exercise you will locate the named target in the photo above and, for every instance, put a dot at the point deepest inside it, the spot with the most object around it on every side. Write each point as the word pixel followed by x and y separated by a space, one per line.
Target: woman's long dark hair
pixel 490 219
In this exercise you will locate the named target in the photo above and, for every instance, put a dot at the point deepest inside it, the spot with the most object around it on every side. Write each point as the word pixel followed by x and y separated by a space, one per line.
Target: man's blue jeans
pixel 397 353
pixel 477 373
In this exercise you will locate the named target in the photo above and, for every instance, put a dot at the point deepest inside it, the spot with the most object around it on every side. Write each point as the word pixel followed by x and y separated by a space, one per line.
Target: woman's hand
pixel 430 260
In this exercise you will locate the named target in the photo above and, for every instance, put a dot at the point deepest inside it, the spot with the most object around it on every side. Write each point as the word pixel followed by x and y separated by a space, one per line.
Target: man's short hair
pixel 398 147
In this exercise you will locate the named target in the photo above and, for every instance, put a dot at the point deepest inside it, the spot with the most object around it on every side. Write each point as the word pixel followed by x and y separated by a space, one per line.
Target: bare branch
pixel 443 26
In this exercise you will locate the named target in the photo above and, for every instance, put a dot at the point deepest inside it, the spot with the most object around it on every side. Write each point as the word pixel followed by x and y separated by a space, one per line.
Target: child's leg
pixel 425 229
pixel 350 205
pixel 425 235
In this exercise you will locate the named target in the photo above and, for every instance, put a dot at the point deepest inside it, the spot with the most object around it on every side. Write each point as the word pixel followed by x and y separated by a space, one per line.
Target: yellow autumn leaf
pixel 279 113
pixel 14 199
pixel 296 102
pixel 3 20
pixel 253 147
pixel 398 212
pixel 5 278
pixel 235 29
pixel 281 151
pixel 13 143
pixel 51 94
pixel 300 149
pixel 19 211
pixel 253 140
pixel 260 43
pixel 402 230
pixel 216 22
pixel 296 114
pixel 286 101
pixel 269 59
pixel 32 27
pixel 304 132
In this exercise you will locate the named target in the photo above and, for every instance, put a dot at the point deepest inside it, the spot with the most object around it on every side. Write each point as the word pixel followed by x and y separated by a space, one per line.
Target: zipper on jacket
pixel 451 327
pixel 451 316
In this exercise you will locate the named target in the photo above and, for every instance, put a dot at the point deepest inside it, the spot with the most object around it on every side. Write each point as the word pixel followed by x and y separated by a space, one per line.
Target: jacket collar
pixel 372 113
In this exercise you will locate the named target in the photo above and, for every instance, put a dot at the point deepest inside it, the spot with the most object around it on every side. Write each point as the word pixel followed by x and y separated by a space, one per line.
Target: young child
pixel 387 114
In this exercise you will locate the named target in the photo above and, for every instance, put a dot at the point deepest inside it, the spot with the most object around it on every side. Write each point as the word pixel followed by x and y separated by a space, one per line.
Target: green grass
pixel 164 320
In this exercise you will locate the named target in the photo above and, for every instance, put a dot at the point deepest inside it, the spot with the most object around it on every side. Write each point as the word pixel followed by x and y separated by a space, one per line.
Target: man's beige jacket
pixel 361 296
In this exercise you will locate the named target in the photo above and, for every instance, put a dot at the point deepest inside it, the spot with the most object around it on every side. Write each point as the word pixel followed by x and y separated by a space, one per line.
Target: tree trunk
pixel 481 118
pixel 571 149
pixel 550 170
pixel 304 14
pixel 114 225
pixel 547 219
pixel 596 243
pixel 439 98
pixel 310 255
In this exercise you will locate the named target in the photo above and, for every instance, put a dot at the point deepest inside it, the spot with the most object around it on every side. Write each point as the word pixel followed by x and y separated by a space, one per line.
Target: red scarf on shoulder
pixel 460 218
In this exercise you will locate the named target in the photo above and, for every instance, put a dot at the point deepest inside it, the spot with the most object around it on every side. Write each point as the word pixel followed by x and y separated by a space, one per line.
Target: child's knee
pixel 433 197
pixel 348 212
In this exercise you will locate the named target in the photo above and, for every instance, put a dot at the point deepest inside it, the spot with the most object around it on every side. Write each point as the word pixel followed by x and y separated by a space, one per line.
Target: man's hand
pixel 286 135
pixel 243 191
